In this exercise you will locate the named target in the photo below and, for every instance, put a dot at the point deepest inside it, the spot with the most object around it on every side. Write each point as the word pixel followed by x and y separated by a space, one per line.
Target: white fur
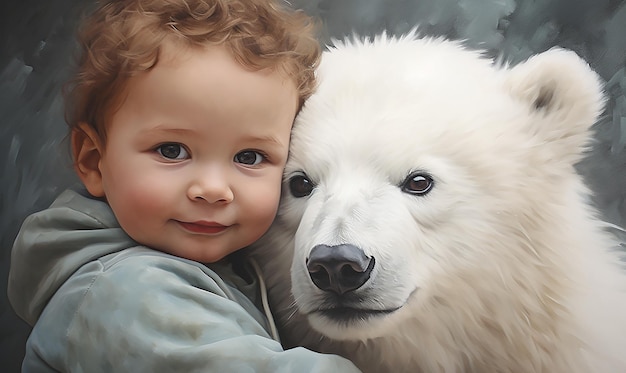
pixel 503 266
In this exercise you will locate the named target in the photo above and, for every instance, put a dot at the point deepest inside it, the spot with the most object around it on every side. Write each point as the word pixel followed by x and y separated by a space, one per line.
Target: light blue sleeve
pixel 155 314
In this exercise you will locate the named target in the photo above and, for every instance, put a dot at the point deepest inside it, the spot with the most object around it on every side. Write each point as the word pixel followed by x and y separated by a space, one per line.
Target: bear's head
pixel 426 181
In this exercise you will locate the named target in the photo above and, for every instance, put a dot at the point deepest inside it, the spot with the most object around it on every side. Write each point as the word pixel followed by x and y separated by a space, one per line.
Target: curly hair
pixel 122 38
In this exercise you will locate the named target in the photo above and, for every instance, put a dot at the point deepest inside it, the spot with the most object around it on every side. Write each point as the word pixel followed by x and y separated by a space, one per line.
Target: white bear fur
pixel 503 266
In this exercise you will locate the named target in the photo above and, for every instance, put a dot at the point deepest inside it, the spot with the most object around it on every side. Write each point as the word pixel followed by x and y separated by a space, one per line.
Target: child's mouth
pixel 203 227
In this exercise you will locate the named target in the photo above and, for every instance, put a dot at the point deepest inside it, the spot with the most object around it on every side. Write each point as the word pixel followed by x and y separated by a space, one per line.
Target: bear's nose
pixel 340 268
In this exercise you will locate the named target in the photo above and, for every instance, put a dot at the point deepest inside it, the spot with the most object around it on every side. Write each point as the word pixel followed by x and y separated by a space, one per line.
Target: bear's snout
pixel 339 269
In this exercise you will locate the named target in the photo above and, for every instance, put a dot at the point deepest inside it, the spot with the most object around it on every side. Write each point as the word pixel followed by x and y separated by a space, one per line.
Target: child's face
pixel 194 157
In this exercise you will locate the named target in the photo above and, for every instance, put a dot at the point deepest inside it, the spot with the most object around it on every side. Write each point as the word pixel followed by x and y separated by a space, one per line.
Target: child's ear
pixel 87 150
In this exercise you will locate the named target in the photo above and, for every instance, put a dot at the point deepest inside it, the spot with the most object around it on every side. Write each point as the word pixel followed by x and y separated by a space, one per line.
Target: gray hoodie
pixel 100 302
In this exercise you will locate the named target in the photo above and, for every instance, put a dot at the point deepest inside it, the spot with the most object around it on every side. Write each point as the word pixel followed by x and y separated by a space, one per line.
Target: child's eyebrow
pixel 169 129
pixel 270 140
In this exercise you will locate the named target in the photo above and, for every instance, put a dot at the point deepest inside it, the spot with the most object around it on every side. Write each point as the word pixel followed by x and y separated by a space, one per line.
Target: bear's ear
pixel 564 98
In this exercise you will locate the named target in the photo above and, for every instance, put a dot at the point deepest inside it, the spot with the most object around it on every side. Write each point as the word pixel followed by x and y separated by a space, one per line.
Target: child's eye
pixel 249 157
pixel 172 151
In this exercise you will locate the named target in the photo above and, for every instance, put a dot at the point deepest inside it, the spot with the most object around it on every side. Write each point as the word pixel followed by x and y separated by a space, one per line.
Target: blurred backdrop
pixel 37 45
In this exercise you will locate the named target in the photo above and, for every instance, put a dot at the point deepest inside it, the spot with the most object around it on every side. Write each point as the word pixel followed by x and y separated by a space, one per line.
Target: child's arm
pixel 147 312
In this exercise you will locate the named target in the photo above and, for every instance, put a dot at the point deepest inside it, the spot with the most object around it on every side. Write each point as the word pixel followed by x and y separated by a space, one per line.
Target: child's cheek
pixel 142 202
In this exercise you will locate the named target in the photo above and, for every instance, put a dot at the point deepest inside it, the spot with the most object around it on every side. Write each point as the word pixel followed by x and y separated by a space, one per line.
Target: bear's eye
pixel 417 183
pixel 300 185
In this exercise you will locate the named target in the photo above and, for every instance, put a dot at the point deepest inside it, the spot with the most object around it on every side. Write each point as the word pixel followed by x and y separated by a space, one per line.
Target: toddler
pixel 180 118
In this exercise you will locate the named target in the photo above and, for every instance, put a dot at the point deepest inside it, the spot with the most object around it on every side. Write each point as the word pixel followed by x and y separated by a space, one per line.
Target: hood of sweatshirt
pixel 53 243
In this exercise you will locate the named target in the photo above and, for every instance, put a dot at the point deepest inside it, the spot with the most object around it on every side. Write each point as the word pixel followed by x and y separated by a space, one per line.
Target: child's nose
pixel 211 186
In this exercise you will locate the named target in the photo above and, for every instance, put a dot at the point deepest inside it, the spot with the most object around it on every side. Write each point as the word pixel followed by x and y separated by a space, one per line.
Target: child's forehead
pixel 174 52
pixel 206 78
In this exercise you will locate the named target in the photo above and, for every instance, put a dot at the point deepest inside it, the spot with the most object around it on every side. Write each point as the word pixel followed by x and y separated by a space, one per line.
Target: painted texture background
pixel 36 48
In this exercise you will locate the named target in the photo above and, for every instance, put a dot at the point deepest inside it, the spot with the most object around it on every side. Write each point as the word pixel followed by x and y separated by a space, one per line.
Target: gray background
pixel 36 48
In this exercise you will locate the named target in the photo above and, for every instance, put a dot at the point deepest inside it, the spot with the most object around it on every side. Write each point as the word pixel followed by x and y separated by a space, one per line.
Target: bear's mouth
pixel 350 314
pixel 351 310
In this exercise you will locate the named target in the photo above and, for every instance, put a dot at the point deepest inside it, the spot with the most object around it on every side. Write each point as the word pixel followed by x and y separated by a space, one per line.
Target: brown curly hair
pixel 122 38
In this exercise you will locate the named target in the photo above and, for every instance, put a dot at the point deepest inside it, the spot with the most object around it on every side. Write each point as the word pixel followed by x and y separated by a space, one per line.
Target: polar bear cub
pixel 433 220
